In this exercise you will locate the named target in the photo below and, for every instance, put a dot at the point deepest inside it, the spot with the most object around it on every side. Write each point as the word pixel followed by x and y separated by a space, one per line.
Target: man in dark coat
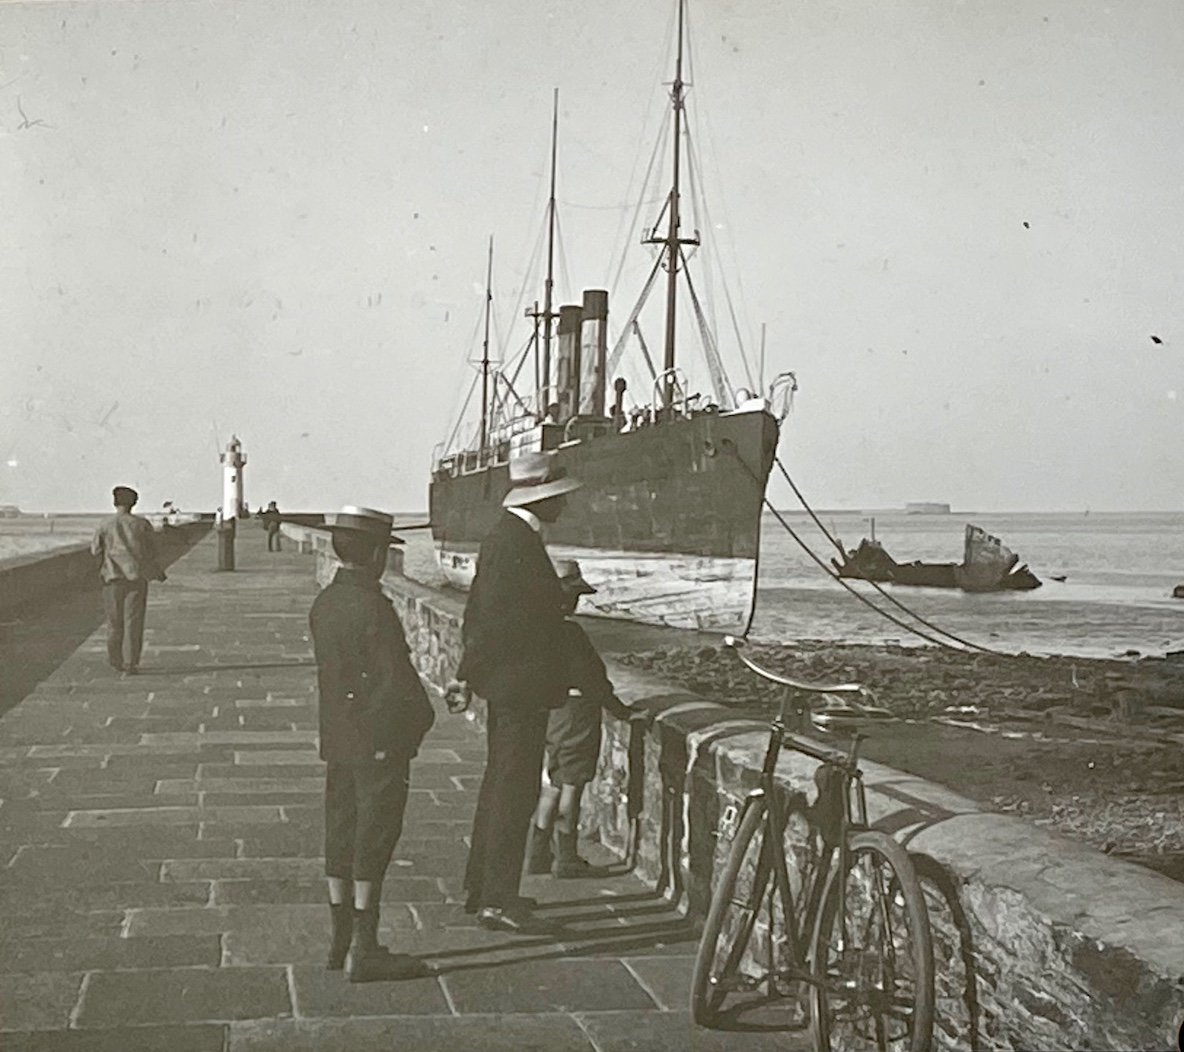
pixel 513 658
pixel 271 519
pixel 374 712
pixel 128 548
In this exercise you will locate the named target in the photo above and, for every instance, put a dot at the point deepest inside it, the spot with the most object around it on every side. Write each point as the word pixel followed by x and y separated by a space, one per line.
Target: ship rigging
pixel 668 525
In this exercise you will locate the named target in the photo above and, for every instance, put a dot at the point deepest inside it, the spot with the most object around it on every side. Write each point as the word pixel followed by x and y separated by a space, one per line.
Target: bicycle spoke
pixel 868 957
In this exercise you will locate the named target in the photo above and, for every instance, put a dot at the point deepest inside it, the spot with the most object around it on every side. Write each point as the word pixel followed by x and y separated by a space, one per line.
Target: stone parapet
pixel 29 581
pixel 1040 942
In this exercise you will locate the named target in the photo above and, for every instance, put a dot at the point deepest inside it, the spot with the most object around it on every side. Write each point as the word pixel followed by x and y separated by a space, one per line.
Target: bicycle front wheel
pixel 872 966
pixel 732 918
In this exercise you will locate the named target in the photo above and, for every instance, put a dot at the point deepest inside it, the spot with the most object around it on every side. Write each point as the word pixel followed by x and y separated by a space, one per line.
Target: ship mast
pixel 672 241
pixel 548 316
pixel 485 353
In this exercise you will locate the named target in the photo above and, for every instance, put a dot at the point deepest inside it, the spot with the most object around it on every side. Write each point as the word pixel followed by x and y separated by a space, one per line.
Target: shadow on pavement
pixel 192 670
pixel 35 645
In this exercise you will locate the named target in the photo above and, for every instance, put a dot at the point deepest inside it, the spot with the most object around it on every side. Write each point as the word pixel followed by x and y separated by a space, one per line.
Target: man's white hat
pixel 535 477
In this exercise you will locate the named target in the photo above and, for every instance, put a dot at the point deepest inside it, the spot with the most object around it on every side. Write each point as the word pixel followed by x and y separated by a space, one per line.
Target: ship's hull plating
pixel 666 526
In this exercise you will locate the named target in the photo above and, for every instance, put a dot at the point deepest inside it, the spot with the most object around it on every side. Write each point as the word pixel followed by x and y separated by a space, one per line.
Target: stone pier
pixel 160 858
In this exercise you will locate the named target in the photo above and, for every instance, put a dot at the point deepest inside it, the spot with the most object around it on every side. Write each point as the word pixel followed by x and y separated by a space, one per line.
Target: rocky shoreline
pixel 1091 747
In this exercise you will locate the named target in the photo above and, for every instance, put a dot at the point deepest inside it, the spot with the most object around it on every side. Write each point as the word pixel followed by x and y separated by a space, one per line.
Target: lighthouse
pixel 233 462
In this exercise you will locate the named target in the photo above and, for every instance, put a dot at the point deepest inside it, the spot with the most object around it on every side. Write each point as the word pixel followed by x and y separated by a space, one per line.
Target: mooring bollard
pixel 226 545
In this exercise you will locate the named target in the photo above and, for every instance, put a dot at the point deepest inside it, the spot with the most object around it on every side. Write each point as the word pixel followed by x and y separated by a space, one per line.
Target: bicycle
pixel 825 907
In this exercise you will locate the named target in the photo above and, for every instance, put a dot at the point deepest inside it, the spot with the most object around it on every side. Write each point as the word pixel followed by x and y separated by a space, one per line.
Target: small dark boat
pixel 987 566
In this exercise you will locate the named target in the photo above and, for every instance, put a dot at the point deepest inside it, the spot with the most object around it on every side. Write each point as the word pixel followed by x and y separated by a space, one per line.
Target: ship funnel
pixel 593 352
pixel 567 364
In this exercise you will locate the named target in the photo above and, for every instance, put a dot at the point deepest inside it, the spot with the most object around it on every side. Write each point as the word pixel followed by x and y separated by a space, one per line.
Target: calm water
pixel 31 534
pixel 1119 572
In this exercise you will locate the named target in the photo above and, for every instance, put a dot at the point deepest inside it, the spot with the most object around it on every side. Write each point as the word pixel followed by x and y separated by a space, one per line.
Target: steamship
pixel 667 524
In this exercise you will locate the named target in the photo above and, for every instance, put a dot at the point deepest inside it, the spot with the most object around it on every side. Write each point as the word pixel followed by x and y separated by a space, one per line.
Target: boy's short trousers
pixel 573 742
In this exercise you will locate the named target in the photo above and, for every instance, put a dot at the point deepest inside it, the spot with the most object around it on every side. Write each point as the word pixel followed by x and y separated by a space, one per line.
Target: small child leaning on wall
pixel 573 742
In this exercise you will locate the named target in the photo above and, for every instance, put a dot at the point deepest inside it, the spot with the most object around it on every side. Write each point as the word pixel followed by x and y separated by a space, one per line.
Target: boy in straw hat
pixel 373 714
pixel 513 658
pixel 573 740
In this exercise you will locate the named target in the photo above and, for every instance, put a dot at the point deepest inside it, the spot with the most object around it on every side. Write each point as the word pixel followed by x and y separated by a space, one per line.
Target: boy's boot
pixel 538 851
pixel 343 931
pixel 368 962
pixel 568 863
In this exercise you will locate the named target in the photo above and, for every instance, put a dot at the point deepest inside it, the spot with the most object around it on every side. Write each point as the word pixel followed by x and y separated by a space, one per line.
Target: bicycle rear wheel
pixel 873 970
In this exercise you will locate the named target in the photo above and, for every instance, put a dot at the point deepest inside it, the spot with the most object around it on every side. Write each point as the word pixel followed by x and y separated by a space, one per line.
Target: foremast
pixel 673 241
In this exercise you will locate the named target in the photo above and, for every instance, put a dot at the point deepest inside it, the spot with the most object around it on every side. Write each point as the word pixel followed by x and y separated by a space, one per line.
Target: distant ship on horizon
pixel 926 507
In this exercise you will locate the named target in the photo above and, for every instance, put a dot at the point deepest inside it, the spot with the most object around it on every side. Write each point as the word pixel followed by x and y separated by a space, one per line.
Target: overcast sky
pixel 962 223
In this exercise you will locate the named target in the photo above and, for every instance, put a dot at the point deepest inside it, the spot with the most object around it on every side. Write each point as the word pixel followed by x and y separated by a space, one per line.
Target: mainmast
pixel 548 316
pixel 485 352
pixel 672 241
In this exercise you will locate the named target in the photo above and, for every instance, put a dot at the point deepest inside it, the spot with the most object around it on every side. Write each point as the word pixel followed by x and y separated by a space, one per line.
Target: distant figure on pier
pixel 373 712
pixel 270 517
pixel 513 658
pixel 127 546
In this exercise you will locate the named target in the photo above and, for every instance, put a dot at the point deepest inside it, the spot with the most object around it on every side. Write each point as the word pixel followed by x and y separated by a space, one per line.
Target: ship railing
pixel 586 426
pixel 678 392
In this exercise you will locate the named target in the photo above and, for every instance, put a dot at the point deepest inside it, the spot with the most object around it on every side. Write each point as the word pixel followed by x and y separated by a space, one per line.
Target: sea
pixel 1119 569
pixel 1115 599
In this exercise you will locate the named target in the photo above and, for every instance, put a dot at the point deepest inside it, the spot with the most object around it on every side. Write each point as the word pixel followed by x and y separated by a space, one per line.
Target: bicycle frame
pixel 840 958
pixel 853 815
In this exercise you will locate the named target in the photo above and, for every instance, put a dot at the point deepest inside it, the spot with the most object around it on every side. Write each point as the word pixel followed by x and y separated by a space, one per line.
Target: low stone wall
pixel 28 582
pixel 315 538
pixel 1040 942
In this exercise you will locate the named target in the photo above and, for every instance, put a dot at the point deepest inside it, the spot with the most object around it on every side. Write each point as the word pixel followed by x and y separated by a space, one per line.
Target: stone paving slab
pixel 176 995
pixel 207 1038
pixel 496 1033
pixel 161 874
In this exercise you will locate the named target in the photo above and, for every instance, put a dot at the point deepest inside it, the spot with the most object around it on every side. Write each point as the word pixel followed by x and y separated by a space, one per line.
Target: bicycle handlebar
pixel 736 644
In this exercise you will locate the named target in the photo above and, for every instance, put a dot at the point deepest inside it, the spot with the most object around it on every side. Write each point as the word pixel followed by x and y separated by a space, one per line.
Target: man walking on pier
pixel 126 544
pixel 513 658
pixel 374 712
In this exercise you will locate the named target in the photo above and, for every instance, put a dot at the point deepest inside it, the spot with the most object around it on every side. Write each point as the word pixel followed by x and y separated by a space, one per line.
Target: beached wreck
pixel 988 565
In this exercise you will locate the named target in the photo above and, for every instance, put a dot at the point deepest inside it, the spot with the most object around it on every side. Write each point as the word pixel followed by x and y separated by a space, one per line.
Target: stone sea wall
pixel 1040 942
pixel 28 582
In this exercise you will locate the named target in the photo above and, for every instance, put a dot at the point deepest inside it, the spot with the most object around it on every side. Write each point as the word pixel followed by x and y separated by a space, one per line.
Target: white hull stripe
pixel 682 591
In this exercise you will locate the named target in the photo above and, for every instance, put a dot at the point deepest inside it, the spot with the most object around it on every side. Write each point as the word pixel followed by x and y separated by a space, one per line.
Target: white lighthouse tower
pixel 233 462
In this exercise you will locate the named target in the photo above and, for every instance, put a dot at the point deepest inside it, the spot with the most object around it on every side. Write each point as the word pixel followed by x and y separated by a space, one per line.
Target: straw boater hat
pixel 568 572
pixel 535 477
pixel 373 523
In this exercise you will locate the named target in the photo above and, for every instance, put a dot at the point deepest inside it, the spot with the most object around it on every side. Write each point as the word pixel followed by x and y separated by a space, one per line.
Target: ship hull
pixel 666 526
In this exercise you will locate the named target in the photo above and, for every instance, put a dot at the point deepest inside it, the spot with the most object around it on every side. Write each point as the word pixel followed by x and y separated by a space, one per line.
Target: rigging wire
pixel 700 117
pixel 875 584
pixel 624 236
pixel 461 415
pixel 695 166
pixel 458 416
pixel 659 148
pixel 887 615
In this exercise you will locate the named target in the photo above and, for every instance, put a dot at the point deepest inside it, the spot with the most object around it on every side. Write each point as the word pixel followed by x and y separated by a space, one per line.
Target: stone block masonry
pixel 1041 942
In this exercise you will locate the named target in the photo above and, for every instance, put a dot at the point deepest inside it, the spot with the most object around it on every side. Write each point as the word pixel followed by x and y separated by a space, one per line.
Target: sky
pixel 960 223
